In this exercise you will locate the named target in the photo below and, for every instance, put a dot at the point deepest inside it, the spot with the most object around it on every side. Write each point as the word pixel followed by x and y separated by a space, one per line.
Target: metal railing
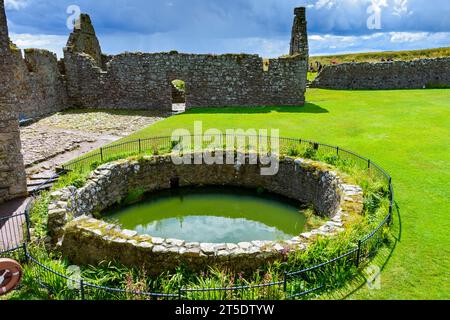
pixel 297 284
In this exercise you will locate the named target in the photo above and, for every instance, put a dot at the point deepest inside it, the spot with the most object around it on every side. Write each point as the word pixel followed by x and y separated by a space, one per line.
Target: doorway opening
pixel 178 95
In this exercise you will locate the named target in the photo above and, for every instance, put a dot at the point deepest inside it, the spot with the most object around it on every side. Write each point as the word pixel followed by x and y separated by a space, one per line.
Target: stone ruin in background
pixel 415 74
pixel 144 80
pixel 37 84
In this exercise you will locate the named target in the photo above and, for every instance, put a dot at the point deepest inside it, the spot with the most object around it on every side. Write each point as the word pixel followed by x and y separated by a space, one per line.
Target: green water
pixel 213 214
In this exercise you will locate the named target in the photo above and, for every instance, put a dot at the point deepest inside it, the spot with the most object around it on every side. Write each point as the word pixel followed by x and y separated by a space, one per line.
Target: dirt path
pixel 55 140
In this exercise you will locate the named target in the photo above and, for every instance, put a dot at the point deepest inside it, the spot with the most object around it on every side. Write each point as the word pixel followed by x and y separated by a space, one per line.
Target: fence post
pixel 391 200
pixel 101 154
pixel 285 281
pixel 82 289
pixel 140 148
pixel 25 251
pixel 179 293
pixel 358 254
pixel 369 163
pixel 27 219
pixel 337 150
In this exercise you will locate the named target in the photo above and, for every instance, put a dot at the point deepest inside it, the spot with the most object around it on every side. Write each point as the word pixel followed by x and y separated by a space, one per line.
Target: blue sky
pixel 220 26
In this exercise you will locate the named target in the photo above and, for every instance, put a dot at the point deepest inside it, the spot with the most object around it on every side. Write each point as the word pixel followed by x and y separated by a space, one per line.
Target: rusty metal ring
pixel 10 275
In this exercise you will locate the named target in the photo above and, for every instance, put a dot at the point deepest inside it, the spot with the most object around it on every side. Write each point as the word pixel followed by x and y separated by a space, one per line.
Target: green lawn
pixel 407 132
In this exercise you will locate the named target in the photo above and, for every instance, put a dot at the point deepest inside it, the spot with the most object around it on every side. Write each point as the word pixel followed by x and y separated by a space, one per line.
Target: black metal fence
pixel 14 235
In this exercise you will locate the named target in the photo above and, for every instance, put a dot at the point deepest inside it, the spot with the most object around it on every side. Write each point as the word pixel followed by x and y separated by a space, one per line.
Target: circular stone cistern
pixel 244 230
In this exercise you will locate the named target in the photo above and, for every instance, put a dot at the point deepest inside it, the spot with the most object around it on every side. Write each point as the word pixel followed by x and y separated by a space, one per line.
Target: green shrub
pixel 74 178
pixel 180 85
pixel 310 153
pixel 293 150
pixel 39 214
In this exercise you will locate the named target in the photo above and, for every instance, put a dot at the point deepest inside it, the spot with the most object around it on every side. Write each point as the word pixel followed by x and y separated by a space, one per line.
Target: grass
pixel 377 56
pixel 405 131
pixel 311 76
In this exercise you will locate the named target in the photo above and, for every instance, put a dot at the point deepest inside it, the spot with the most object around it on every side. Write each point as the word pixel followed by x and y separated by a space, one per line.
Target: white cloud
pixel 402 37
pixel 316 37
pixel 53 43
pixel 16 4
pixel 270 48
pixel 328 4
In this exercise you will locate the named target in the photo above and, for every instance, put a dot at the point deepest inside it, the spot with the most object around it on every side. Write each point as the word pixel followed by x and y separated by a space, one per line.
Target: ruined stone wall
pixel 416 74
pixel 41 88
pixel 84 39
pixel 143 81
pixel 299 37
pixel 12 170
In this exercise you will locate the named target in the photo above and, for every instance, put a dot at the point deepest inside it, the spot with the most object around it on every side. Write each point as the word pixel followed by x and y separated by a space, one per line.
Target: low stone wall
pixel 85 240
pixel 416 74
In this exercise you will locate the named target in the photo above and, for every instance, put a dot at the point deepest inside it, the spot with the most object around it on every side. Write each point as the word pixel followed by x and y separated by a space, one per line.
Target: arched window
pixel 178 95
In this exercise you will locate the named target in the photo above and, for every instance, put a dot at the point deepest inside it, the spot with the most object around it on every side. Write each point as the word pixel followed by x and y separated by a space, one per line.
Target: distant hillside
pixel 378 56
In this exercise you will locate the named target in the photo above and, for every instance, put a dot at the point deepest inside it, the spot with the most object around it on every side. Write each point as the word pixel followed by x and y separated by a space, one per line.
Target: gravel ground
pixel 56 139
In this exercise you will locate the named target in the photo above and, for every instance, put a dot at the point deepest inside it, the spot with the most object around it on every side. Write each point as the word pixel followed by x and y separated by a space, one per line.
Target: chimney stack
pixel 299 39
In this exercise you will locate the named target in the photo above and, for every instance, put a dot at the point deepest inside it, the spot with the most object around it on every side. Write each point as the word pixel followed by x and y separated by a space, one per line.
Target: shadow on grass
pixel 116 112
pixel 307 108
pixel 380 260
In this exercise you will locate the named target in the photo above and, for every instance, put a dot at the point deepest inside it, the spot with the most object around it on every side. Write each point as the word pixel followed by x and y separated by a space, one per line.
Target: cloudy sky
pixel 219 26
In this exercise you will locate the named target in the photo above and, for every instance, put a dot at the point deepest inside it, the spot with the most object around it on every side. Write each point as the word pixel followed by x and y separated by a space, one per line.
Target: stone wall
pixel 143 81
pixel 12 171
pixel 41 88
pixel 416 74
pixel 89 241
